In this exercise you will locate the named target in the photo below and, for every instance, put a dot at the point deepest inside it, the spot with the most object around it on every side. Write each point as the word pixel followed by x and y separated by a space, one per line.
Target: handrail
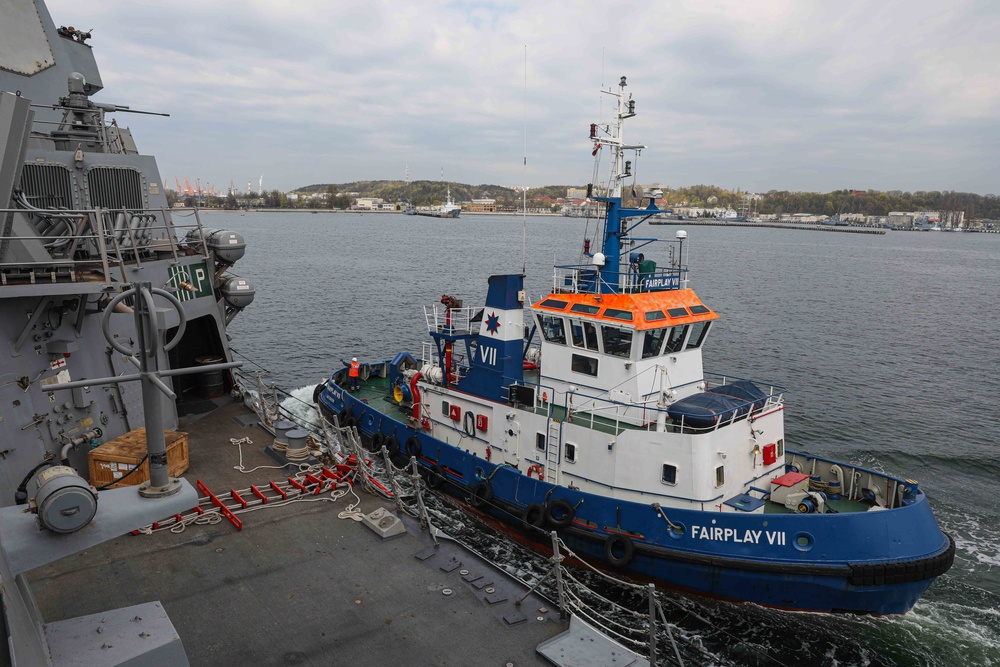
pixel 104 237
pixel 644 415
pixel 583 279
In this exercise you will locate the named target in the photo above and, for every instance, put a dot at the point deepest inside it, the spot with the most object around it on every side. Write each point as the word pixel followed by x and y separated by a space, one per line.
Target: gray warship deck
pixel 298 585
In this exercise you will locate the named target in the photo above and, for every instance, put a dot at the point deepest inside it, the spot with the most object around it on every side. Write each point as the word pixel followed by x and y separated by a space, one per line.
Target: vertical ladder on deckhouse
pixel 552 450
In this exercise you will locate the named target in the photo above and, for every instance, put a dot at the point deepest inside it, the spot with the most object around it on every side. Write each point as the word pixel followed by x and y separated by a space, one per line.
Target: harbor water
pixel 887 344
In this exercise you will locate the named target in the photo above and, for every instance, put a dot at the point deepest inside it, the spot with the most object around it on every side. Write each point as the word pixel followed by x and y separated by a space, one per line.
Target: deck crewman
pixel 354 372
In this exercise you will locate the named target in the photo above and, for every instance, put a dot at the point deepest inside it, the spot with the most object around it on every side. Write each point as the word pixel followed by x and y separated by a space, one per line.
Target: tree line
pixel 868 202
pixel 429 193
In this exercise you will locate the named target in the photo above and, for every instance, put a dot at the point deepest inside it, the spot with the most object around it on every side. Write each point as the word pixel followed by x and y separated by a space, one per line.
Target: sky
pixel 751 94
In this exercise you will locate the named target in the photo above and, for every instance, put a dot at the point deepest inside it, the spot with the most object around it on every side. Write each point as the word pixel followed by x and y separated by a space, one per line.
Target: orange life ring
pixel 537 469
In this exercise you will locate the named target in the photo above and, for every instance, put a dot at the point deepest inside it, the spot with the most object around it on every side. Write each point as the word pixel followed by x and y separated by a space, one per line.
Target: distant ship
pixel 445 210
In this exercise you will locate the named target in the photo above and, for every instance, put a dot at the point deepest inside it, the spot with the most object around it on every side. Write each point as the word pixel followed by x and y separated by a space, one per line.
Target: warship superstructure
pixel 113 313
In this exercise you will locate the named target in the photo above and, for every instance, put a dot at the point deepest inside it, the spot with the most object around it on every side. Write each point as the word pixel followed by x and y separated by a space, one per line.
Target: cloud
pixel 763 95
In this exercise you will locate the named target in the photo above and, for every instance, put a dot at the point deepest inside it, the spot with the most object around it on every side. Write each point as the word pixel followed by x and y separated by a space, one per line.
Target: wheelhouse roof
pixel 644 310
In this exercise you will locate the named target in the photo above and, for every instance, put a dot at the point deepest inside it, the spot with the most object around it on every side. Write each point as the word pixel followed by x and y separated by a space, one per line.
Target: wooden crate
pixel 114 458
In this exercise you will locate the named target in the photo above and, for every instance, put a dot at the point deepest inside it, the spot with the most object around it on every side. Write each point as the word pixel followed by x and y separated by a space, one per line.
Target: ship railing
pixel 587 279
pixel 92 241
pixel 452 321
pixel 459 360
pixel 600 411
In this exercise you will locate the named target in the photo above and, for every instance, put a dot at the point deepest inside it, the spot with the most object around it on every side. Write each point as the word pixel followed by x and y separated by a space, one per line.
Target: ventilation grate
pixel 47 186
pixel 115 188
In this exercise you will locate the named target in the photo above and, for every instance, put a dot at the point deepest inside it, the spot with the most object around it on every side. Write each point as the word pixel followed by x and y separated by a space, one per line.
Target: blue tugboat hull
pixel 840 563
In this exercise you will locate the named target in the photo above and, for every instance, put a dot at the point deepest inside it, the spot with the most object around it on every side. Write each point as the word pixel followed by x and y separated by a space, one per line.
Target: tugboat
pixel 589 413
pixel 448 209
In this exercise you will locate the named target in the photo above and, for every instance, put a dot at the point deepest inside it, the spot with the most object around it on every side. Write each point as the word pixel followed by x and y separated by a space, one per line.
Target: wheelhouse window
pixel 618 314
pixel 655 316
pixel 584 335
pixel 669 474
pixel 675 340
pixel 570 452
pixel 552 328
pixel 585 365
pixel 617 342
pixel 652 342
pixel 720 476
pixel 698 332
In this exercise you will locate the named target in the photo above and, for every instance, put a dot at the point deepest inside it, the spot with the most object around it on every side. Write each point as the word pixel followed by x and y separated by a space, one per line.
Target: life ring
pixel 392 445
pixel 469 424
pixel 559 513
pixel 536 469
pixel 533 515
pixel 317 391
pixel 413 446
pixel 435 477
pixel 376 442
pixel 618 550
pixel 482 493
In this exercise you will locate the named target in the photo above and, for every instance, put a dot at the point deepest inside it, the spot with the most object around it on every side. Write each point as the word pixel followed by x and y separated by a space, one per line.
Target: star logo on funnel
pixel 493 323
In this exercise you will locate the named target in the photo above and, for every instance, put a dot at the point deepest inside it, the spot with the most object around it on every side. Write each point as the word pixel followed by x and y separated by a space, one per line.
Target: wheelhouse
pixel 618 344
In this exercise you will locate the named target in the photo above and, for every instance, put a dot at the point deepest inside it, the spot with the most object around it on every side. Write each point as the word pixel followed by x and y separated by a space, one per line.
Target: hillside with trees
pixel 428 193
pixel 867 202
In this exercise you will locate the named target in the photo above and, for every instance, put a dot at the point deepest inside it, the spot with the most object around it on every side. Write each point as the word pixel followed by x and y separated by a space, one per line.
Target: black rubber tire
pixel 559 513
pixel 378 439
pixel 392 445
pixel 482 493
pixel 351 421
pixel 317 391
pixel 533 515
pixel 413 446
pixel 618 550
pixel 343 415
pixel 435 477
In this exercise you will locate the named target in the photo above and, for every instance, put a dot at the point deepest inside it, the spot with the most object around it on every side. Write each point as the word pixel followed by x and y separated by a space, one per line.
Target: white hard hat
pixel 354 359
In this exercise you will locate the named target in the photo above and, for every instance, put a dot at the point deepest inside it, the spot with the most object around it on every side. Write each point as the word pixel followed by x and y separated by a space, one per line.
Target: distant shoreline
pixel 710 222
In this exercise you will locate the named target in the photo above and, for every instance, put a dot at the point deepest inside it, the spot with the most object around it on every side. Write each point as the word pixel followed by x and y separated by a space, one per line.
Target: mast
pixel 615 227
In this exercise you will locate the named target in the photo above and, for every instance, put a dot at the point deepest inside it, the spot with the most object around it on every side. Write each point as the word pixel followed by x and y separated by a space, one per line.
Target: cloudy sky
pixel 751 94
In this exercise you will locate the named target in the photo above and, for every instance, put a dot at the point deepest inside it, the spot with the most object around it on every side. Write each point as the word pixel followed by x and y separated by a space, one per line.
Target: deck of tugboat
pixel 376 391
pixel 299 585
